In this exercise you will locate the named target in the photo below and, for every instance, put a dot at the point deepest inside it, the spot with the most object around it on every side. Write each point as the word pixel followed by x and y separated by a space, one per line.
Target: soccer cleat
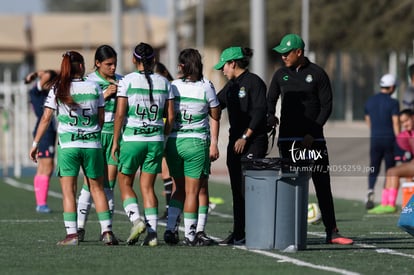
pixel 44 209
pixel 109 238
pixel 81 234
pixel 171 238
pixel 201 239
pixel 379 209
pixel 369 204
pixel 151 239
pixel 71 239
pixel 137 229
pixel 383 209
pixel 336 238
pixel 390 209
pixel 187 242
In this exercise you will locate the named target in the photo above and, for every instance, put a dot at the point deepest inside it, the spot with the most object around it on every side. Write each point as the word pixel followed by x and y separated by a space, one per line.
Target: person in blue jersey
pixel 382 117
pixel 106 77
pixel 46 152
pixel 191 146
pixel 80 112
pixel 142 99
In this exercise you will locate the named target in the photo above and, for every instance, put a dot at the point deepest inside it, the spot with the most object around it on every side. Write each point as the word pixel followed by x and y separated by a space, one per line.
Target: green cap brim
pixel 219 65
pixel 281 49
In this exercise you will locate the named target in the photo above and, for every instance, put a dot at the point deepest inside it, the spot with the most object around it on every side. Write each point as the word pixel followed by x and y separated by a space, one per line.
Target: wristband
pixel 245 137
pixel 34 144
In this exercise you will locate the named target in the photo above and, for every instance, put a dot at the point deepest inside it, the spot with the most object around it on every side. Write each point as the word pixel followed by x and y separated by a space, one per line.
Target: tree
pixel 87 5
pixel 352 25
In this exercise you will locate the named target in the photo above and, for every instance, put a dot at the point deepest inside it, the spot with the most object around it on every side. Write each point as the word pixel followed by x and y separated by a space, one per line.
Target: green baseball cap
pixel 232 53
pixel 290 42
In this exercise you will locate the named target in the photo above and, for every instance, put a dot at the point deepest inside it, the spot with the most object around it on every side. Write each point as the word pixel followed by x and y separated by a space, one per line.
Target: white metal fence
pixel 17 121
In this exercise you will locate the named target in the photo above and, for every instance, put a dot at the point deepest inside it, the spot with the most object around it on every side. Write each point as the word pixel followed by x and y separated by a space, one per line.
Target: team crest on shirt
pixel 242 92
pixel 309 78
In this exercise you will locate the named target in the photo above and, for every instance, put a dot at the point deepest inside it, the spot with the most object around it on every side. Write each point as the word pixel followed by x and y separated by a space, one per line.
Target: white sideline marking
pixel 17 184
pixel 301 263
pixel 378 250
pixel 28 187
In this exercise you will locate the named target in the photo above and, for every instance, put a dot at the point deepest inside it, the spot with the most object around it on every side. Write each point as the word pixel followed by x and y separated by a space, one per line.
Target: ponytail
pixel 144 53
pixel 69 68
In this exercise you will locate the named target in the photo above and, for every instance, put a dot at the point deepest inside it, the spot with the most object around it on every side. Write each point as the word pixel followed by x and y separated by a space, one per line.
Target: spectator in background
pixel 408 96
pixel 381 115
pixel 46 152
pixel 405 141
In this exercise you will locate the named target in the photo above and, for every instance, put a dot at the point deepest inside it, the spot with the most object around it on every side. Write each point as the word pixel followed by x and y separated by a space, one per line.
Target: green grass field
pixel 28 243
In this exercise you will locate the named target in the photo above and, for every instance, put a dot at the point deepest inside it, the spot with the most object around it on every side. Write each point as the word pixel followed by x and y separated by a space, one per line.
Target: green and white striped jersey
pixel 192 101
pixel 110 103
pixel 144 119
pixel 79 125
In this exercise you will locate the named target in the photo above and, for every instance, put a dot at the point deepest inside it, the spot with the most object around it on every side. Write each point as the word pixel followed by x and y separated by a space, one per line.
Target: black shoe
pixel 228 241
pixel 187 242
pixel 151 239
pixel 81 234
pixel 231 240
pixel 241 241
pixel 109 238
pixel 369 204
pixel 201 239
pixel 171 238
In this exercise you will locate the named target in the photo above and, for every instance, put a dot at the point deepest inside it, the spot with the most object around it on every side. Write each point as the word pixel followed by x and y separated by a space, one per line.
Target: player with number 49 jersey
pixel 144 118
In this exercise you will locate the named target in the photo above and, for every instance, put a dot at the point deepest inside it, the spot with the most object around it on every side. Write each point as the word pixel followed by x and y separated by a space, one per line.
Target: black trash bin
pixel 276 194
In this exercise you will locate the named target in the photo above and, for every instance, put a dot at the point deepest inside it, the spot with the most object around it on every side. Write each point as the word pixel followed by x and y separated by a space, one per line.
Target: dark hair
pixel 407 112
pixel 69 69
pixel 411 70
pixel 104 52
pixel 160 68
pixel 52 77
pixel 244 62
pixel 144 53
pixel 192 67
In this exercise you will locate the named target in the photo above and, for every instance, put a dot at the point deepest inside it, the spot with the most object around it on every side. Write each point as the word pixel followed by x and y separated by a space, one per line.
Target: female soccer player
pixel 141 100
pixel 105 76
pixel 80 112
pixel 190 147
pixel 46 152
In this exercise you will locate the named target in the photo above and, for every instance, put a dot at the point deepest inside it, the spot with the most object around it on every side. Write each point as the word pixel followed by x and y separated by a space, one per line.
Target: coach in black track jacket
pixel 306 95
